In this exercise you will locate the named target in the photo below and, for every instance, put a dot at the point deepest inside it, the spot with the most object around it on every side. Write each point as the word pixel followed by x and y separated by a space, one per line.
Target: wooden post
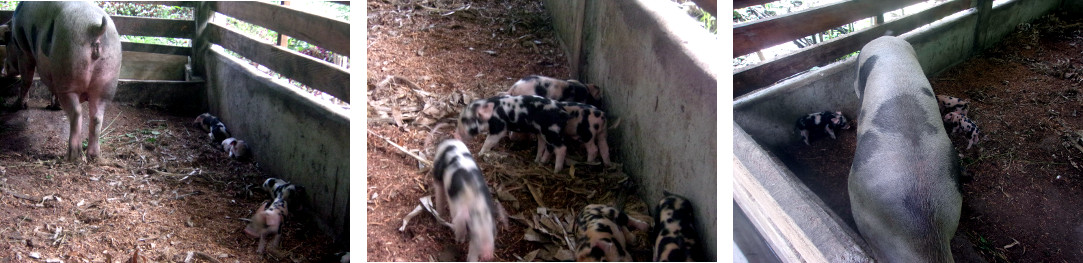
pixel 200 43
pixel 984 7
pixel 283 40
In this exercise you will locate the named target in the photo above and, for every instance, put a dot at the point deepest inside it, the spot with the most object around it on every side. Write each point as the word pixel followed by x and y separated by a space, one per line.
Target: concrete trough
pixel 797 224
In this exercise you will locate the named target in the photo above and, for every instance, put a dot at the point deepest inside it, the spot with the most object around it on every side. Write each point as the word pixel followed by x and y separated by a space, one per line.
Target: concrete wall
pixel 658 79
pixel 292 137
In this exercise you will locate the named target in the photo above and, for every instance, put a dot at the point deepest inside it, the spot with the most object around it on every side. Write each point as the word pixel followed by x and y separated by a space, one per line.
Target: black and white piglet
pixel 267 221
pixel 956 122
pixel 555 89
pixel 237 149
pixel 675 232
pixel 825 121
pixel 952 104
pixel 602 234
pixel 457 179
pixel 586 124
pixel 497 116
pixel 216 129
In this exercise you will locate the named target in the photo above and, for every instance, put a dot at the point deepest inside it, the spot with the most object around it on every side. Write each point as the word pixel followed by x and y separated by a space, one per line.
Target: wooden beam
pixel 328 33
pixel 341 2
pixel 765 74
pixel 155 48
pixel 165 3
pixel 154 27
pixel 318 74
pixel 746 3
pixel 756 35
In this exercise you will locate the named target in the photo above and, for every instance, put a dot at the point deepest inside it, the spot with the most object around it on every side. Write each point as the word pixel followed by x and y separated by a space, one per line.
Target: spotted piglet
pixel 268 220
pixel 237 149
pixel 602 234
pixel 497 116
pixel 216 129
pixel 952 104
pixel 957 122
pixel 587 125
pixel 825 121
pixel 675 233
pixel 457 179
pixel 555 89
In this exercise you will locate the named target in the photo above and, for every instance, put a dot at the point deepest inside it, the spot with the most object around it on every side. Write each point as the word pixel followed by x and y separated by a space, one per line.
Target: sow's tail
pixel 96 46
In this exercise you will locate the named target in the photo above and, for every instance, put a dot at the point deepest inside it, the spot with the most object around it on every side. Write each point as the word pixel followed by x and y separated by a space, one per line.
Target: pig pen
pixel 1021 183
pixel 161 188
pixel 425 61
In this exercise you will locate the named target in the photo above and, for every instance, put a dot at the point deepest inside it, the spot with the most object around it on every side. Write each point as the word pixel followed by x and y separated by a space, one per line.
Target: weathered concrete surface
pixel 293 137
pixel 658 79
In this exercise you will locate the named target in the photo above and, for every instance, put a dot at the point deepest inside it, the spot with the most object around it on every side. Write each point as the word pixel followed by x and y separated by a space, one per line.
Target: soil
pixel 1022 184
pixel 451 52
pixel 160 188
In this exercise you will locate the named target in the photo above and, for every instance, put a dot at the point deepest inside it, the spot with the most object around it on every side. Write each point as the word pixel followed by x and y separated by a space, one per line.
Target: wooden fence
pixel 330 34
pixel 757 35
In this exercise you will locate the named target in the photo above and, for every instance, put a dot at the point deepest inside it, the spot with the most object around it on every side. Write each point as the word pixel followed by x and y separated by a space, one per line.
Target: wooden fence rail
pixel 756 35
pixel 324 32
pixel 767 73
pixel 315 73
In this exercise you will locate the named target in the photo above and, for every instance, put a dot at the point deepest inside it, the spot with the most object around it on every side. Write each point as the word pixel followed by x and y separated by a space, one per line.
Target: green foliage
pixel 147 10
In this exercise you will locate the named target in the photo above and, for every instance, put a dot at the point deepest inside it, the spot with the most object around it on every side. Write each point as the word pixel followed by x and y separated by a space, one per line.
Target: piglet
pixel 497 116
pixel 675 235
pixel 587 125
pixel 602 234
pixel 218 133
pixel 206 121
pixel 952 104
pixel 457 179
pixel 266 223
pixel 237 149
pixel 957 122
pixel 825 121
pixel 561 90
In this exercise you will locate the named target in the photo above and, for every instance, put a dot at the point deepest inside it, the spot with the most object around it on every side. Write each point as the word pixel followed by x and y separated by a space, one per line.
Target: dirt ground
pixel 1022 191
pixel 452 53
pixel 160 188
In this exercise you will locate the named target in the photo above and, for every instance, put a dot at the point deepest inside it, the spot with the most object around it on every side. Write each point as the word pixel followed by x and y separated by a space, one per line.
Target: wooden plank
pixel 332 34
pixel 765 74
pixel 341 2
pixel 5 15
pixel 155 48
pixel 154 27
pixel 165 3
pixel 756 35
pixel 151 66
pixel 746 3
pixel 318 74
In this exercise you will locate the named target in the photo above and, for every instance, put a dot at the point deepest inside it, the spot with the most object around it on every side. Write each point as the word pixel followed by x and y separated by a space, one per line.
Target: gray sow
pixel 903 189
pixel 75 48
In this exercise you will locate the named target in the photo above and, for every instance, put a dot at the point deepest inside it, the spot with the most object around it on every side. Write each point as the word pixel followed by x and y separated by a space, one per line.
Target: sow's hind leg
pixel 97 115
pixel 69 102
